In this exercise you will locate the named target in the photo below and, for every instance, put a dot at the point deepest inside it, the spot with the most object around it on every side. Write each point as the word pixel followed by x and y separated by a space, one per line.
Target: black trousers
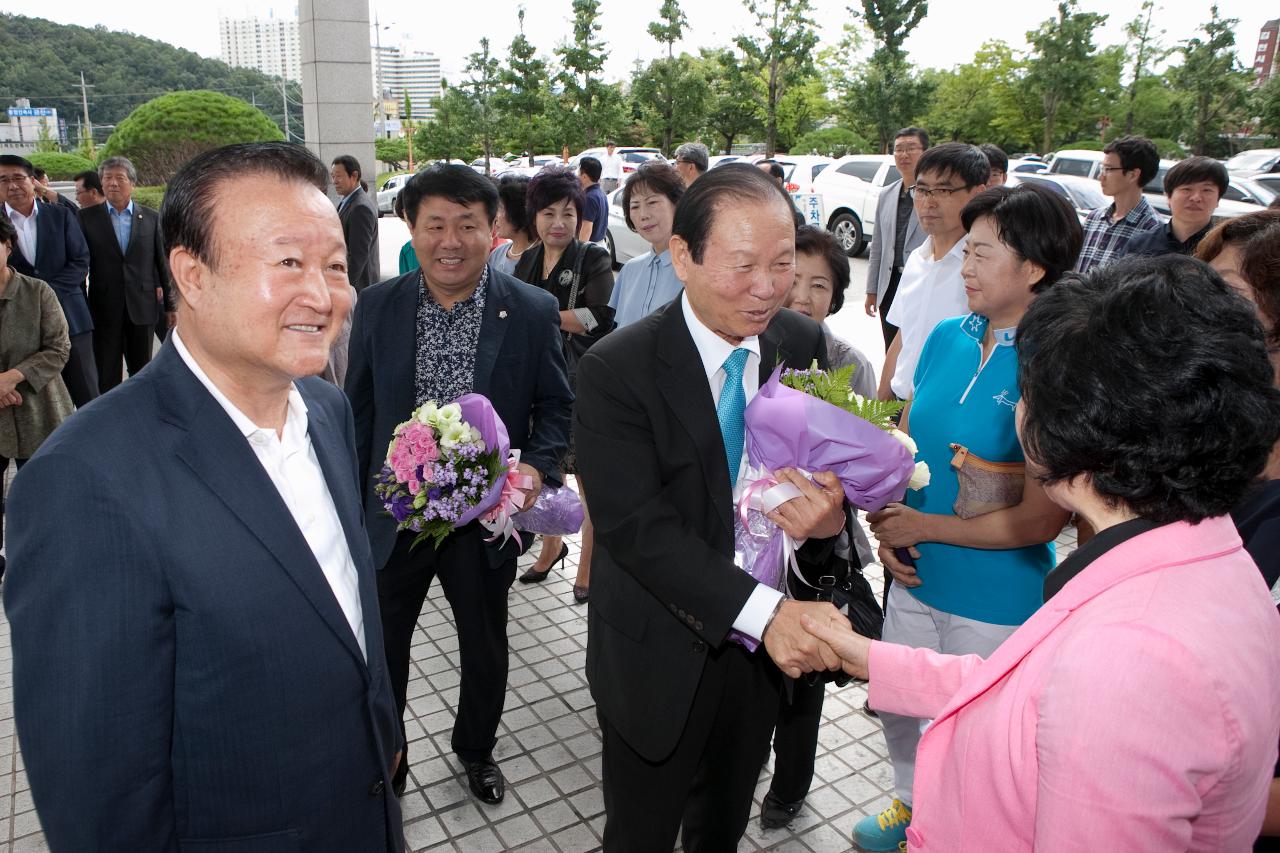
pixel 795 740
pixel 477 594
pixel 116 340
pixel 890 291
pixel 81 372
pixel 4 467
pixel 707 782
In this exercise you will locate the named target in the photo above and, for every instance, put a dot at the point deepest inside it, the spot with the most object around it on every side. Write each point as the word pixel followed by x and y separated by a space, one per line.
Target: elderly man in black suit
pixel 453 327
pixel 197 660
pixel 685 707
pixel 359 215
pixel 51 247
pixel 128 274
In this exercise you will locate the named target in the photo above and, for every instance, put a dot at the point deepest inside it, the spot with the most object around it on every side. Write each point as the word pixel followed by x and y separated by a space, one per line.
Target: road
pixel 851 323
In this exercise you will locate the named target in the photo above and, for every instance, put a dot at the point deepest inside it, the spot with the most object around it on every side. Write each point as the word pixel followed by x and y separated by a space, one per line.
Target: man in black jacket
pixel 128 274
pixel 684 647
pixel 359 216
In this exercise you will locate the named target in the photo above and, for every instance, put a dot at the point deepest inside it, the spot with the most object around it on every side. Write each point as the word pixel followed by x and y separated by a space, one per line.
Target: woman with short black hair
pixel 1138 709
pixel 512 223
pixel 580 275
pixel 969 552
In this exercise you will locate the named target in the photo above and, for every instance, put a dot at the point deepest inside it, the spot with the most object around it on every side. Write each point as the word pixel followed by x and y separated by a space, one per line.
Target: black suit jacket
pixel 182 669
pixel 130 277
pixel 62 261
pixel 359 217
pixel 664 587
pixel 519 367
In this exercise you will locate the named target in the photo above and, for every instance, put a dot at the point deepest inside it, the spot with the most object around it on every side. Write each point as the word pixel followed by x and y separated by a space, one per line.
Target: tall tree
pixel 450 134
pixel 1145 50
pixel 1267 99
pixel 521 100
pixel 964 103
pixel 781 52
pixel 735 97
pixel 665 74
pixel 1060 68
pixel 585 93
pixel 482 81
pixel 670 98
pixel 891 21
pixel 1210 82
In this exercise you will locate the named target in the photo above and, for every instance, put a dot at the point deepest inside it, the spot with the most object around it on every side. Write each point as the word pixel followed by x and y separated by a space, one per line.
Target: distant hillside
pixel 43 61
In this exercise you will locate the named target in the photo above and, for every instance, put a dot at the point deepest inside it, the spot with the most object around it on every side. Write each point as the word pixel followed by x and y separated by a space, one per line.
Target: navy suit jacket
pixel 519 367
pixel 182 670
pixel 62 261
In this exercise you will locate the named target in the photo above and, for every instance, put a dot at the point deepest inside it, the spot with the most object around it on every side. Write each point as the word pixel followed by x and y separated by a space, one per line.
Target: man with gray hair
pixel 128 275
pixel 692 161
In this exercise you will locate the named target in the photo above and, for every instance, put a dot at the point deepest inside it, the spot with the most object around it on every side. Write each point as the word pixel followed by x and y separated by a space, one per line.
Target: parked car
pixel 850 188
pixel 387 195
pixel 1251 190
pixel 540 162
pixel 800 171
pixel 1269 182
pixel 1257 161
pixel 1083 194
pixel 1088 164
pixel 721 159
pixel 1022 164
pixel 624 244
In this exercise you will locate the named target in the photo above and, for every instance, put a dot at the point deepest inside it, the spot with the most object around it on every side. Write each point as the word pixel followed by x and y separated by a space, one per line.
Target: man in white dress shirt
pixel 684 647
pixel 931 289
pixel 198 655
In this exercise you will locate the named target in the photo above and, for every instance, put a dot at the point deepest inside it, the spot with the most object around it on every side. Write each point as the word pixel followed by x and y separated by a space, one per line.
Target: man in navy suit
pixel 454 327
pixel 197 660
pixel 52 248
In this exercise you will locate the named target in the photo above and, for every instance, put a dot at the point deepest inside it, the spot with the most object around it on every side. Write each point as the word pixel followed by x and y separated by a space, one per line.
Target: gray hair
pixel 119 163
pixel 695 153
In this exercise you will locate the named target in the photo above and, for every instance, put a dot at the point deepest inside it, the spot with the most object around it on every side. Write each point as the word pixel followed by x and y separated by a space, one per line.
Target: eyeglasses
pixel 940 193
pixel 1108 169
pixel 907 150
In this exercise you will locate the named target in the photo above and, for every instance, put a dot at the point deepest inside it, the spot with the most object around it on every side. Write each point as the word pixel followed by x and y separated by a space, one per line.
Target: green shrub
pixel 831 141
pixel 150 196
pixel 167 131
pixel 61 167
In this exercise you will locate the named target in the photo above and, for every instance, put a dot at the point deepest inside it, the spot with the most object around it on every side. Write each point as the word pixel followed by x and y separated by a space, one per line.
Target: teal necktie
pixel 730 409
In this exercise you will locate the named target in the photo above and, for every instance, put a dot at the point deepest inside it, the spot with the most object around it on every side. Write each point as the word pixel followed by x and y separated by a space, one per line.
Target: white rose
pixel 475 436
pixel 451 413
pixel 427 414
pixel 907 441
pixel 919 477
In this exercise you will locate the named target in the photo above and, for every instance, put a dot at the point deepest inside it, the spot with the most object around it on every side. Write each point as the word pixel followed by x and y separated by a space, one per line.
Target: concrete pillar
pixel 337 81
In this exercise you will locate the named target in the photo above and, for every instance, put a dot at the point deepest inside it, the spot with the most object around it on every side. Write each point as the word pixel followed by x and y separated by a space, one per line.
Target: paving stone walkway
pixel 548 745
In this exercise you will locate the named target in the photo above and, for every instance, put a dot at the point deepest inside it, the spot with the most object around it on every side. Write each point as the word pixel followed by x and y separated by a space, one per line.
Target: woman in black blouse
pixel 580 275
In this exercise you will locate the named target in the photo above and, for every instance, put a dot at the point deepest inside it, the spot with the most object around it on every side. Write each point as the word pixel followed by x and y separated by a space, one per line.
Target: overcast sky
pixel 948 36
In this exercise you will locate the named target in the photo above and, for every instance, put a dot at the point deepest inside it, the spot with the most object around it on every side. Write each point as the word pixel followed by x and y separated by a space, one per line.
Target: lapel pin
pixel 502 315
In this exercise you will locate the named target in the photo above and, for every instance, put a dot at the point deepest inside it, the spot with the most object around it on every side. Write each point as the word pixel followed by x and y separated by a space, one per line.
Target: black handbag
pixel 575 345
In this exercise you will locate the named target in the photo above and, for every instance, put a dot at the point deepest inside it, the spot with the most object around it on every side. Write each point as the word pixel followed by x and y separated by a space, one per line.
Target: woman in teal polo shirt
pixel 980 534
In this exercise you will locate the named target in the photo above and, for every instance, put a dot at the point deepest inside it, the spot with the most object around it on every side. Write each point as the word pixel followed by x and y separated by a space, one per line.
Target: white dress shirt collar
pixel 297 412
pixel 714 349
pixel 27 230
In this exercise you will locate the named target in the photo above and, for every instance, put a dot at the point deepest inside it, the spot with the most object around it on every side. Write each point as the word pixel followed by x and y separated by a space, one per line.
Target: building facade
pixel 1264 60
pixel 269 45
pixel 397 71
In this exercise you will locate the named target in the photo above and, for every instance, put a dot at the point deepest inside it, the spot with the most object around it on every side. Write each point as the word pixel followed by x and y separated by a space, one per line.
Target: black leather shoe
pixel 485 780
pixel 401 778
pixel 775 814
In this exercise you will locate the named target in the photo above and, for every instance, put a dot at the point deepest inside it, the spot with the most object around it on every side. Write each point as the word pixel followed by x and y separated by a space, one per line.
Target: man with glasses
pixel 897 233
pixel 931 290
pixel 51 247
pixel 89 189
pixel 1127 164
pixel 692 161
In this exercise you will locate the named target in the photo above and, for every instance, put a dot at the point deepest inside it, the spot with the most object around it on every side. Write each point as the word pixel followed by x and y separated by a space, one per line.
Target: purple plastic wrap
pixel 479 412
pixel 556 512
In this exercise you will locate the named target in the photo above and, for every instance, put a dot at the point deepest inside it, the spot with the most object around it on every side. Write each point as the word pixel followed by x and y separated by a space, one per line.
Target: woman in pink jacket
pixel 1139 708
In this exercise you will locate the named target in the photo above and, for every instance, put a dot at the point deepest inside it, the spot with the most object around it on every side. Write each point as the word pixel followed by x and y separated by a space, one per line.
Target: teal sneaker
pixel 884 832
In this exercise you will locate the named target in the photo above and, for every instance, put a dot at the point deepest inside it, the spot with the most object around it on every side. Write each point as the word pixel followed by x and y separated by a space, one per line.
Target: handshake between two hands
pixel 812 636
